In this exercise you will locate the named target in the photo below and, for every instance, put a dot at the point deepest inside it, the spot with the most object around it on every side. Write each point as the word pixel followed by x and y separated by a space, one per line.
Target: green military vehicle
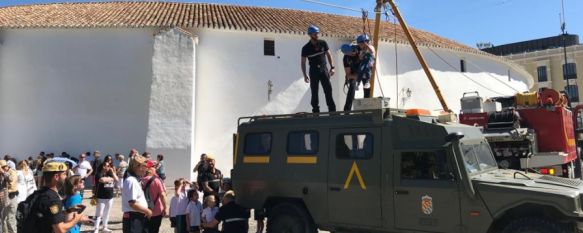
pixel 383 171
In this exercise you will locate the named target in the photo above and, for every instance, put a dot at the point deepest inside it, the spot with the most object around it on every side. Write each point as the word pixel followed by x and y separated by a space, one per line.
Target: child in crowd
pixel 73 185
pixel 178 205
pixel 208 214
pixel 194 211
pixel 194 186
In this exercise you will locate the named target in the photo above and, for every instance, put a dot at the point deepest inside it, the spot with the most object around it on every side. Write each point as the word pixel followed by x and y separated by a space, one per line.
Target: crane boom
pixel 413 46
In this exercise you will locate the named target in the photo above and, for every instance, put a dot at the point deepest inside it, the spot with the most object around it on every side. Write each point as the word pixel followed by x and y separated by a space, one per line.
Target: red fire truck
pixel 531 131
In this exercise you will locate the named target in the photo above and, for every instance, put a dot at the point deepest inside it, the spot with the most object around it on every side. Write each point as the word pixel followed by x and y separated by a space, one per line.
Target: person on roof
pixel 351 66
pixel 367 62
pixel 316 51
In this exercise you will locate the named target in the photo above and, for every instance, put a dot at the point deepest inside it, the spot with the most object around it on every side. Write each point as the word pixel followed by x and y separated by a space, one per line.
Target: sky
pixel 466 21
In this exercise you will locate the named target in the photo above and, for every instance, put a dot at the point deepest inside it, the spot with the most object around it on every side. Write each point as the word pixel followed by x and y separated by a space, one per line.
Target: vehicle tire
pixel 534 225
pixel 289 218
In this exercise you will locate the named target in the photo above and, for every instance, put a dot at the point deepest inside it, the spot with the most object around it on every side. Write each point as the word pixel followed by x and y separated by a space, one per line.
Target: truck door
pixel 426 192
pixel 354 177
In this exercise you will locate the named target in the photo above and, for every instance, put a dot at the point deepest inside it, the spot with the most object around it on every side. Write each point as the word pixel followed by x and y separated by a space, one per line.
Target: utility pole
pixel 564 37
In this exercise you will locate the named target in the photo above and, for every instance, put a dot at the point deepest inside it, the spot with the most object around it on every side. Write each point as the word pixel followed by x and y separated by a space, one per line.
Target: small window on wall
pixel 258 144
pixel 572 92
pixel 425 166
pixel 463 66
pixel 302 143
pixel 269 47
pixel 542 73
pixel 570 71
pixel 354 146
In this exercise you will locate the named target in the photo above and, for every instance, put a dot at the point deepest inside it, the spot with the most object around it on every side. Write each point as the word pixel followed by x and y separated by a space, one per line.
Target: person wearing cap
pixel 48 203
pixel 212 179
pixel 9 210
pixel 158 194
pixel 316 51
pixel 234 217
pixel 134 204
pixel 367 62
pixel 351 66
pixel 83 168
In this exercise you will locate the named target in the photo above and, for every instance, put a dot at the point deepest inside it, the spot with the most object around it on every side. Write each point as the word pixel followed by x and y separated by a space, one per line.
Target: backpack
pixel 151 202
pixel 24 217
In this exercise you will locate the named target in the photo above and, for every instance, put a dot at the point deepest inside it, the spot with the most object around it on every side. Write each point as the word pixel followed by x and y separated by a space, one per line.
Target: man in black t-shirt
pixel 351 64
pixel 212 179
pixel 317 52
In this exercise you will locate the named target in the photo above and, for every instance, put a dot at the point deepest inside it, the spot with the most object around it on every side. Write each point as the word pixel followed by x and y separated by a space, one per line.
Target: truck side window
pixel 258 144
pixel 354 146
pixel 425 166
pixel 302 143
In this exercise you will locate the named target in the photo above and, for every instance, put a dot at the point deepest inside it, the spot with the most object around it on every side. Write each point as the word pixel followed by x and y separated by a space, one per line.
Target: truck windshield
pixel 478 157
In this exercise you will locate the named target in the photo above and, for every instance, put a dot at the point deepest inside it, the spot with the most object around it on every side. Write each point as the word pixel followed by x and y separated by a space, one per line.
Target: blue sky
pixel 466 21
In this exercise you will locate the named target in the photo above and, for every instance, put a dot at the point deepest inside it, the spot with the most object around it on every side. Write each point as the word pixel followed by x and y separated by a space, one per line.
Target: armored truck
pixel 390 171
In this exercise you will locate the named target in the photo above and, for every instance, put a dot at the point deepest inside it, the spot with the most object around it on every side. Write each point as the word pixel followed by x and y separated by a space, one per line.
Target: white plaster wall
pixel 232 78
pixel 74 90
pixel 171 121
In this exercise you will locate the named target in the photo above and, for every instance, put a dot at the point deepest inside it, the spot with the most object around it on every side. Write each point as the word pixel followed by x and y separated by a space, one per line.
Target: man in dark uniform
pixel 47 213
pixel 212 179
pixel 234 217
pixel 317 51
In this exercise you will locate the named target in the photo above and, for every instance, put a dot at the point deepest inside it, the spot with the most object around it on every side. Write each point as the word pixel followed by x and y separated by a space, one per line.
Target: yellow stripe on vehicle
pixel 256 159
pixel 302 159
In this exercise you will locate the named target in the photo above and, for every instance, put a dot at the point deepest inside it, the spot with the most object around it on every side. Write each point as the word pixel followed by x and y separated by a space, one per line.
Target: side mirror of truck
pixel 450 138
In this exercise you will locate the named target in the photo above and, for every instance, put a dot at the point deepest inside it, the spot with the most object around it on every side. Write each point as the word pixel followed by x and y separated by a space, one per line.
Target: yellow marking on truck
pixel 255 159
pixel 354 170
pixel 302 159
pixel 236 149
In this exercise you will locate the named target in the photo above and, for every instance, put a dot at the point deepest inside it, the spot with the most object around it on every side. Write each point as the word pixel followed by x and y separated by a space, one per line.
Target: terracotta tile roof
pixel 200 15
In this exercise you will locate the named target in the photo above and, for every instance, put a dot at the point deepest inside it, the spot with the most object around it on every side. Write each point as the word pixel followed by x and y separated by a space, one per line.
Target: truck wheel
pixel 534 225
pixel 289 218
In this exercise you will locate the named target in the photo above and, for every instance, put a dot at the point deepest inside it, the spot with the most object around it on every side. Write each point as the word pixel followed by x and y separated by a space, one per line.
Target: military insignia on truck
pixel 427 204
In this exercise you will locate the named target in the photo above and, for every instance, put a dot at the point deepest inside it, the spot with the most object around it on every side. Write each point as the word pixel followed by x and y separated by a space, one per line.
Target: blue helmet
pixel 362 38
pixel 347 49
pixel 313 29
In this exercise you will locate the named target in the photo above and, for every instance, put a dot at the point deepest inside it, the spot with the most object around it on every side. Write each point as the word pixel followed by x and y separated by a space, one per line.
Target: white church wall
pixel 484 74
pixel 171 115
pixel 74 90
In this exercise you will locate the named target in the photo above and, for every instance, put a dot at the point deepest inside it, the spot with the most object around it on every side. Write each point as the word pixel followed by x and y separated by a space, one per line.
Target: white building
pixel 173 78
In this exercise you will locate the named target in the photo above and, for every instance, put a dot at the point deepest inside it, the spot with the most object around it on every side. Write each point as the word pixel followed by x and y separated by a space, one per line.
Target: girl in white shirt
pixel 208 214
pixel 26 183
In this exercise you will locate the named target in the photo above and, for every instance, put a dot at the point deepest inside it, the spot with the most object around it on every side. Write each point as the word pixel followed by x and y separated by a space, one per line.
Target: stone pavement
pixel 115 216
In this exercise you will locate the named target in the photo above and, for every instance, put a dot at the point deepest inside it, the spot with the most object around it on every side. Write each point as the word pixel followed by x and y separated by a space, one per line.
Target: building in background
pixel 173 78
pixel 544 59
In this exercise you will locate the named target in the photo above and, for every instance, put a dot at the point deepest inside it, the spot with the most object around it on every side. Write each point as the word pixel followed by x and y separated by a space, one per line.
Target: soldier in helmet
pixel 47 213
pixel 316 51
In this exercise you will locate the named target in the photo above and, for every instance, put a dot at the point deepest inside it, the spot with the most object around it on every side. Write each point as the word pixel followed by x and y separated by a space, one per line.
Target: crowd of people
pixel 64 181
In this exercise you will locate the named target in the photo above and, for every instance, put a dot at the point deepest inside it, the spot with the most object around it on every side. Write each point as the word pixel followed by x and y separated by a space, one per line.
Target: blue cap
pixel 347 49
pixel 313 29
